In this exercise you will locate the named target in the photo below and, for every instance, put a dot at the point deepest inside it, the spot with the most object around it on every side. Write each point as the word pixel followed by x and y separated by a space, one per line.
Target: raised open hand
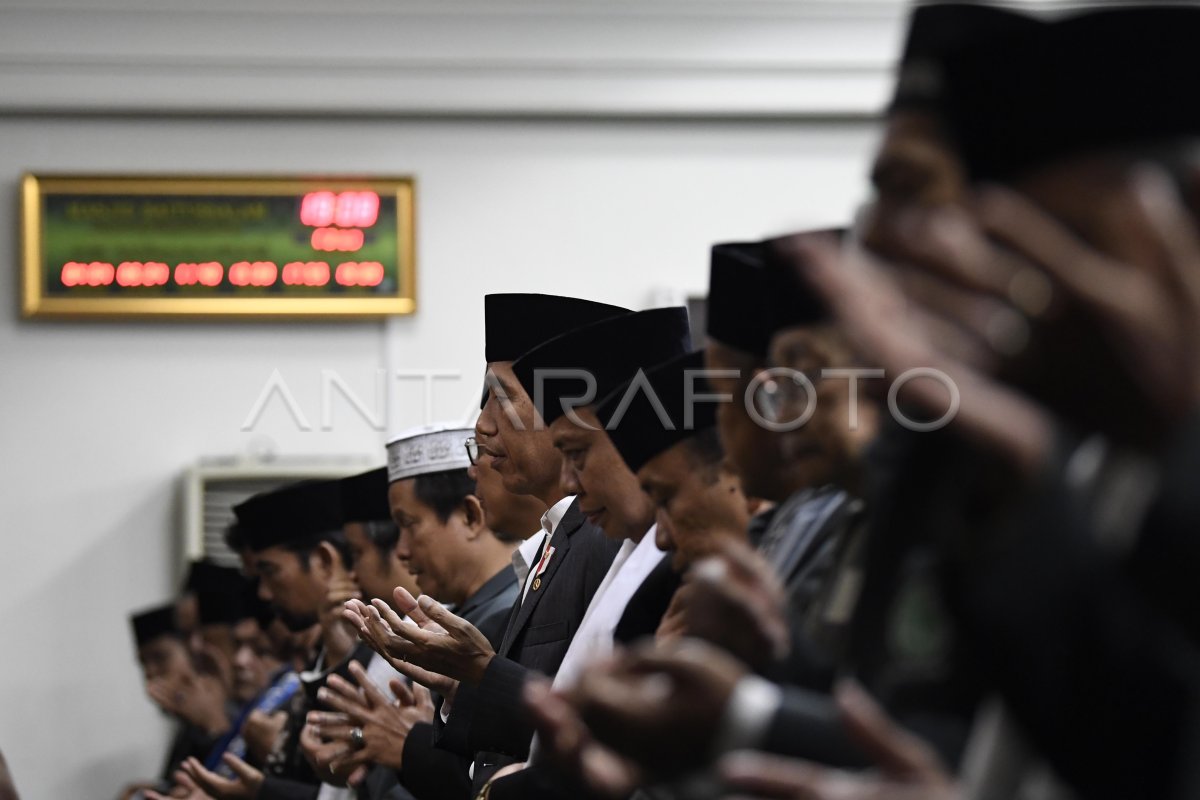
pixel 442 642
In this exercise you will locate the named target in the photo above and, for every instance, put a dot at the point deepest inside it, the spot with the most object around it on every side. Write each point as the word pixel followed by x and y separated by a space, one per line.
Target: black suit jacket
pixel 648 605
pixel 641 618
pixel 536 638
pixel 434 773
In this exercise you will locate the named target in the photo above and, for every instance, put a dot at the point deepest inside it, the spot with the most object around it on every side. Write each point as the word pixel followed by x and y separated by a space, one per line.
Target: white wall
pixel 100 418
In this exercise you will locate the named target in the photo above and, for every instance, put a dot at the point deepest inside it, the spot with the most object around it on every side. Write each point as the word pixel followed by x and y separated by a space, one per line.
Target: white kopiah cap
pixel 431 448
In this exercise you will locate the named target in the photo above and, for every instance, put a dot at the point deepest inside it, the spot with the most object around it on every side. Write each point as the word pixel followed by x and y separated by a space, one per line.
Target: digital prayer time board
pixel 208 246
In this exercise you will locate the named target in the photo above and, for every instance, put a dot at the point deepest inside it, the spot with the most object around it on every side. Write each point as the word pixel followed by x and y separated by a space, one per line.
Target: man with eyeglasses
pixel 563 564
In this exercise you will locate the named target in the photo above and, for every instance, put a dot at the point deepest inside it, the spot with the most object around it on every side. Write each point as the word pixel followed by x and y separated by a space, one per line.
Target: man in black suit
pixel 562 572
pixel 565 375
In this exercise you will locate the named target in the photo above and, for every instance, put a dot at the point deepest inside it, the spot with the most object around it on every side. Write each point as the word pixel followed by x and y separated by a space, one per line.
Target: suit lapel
pixel 561 542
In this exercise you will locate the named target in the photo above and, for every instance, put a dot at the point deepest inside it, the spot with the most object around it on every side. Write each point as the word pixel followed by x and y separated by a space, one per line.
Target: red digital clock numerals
pixel 306 273
pixel 345 209
pixel 206 273
pixel 253 273
pixel 83 273
pixel 359 273
pixel 258 274
pixel 339 218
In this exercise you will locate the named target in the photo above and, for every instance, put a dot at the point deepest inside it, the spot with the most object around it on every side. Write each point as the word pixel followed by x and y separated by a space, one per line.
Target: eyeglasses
pixel 472 450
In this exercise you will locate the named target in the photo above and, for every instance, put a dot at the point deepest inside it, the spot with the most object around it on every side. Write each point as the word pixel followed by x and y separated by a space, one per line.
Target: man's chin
pixel 296 623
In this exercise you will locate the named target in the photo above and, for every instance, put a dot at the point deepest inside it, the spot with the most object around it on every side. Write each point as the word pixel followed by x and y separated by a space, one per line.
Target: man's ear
pixel 473 516
pixel 326 557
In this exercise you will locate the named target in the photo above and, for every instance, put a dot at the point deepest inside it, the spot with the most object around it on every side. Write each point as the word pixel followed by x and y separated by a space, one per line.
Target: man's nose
pixel 568 480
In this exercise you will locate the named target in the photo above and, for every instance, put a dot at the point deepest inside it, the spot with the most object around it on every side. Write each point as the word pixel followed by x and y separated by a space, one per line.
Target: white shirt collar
pixel 524 555
pixel 555 513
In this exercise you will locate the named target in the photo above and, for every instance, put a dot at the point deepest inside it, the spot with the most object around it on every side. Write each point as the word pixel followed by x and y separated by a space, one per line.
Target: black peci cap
pixel 610 351
pixel 1102 79
pixel 290 514
pixel 220 595
pixel 674 404
pixel 365 497
pixel 755 291
pixel 938 29
pixel 152 623
pixel 517 323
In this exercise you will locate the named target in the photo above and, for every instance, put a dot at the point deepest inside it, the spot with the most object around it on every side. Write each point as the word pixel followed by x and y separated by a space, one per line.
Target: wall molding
pixel 688 58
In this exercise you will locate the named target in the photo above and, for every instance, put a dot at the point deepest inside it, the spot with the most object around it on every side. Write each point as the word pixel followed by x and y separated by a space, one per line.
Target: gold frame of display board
pixel 34 303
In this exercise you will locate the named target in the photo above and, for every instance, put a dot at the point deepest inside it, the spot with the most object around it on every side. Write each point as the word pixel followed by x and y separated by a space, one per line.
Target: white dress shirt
pixel 594 638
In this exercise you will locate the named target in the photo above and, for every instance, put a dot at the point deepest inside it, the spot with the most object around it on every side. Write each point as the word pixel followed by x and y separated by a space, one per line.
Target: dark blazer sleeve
pixel 806 725
pixel 430 773
pixel 452 734
pixel 649 603
pixel 534 783
pixel 498 720
pixel 1107 689
pixel 1166 559
pixel 489 618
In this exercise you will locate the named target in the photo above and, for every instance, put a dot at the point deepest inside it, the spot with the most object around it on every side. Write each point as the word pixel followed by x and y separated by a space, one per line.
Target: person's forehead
pixel 403 500
pixel 355 533
pixel 667 469
pixel 402 496
pixel 159 647
pixel 274 555
pixel 502 371
pixel 566 432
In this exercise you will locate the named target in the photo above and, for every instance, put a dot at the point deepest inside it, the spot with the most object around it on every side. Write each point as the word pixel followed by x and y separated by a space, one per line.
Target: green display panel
pixel 118 246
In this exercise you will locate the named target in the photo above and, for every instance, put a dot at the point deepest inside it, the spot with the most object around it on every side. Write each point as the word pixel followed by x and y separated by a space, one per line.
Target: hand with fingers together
pixel 570 749
pixel 446 644
pixel 368 727
pixel 337 634
pixel 736 601
pixel 323 756
pixel 1054 322
pixel 891 330
pixel 908 769
pixel 261 731
pixel 245 785
pixel 376 625
pixel 195 698
pixel 660 705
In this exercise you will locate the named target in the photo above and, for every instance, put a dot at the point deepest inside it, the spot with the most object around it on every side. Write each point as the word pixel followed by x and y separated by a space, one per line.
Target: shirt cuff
pixel 748 715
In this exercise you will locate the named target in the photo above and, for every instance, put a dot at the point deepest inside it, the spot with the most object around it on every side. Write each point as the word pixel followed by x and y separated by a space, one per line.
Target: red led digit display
pixel 346 209
pixel 346 241
pixel 306 273
pixel 359 273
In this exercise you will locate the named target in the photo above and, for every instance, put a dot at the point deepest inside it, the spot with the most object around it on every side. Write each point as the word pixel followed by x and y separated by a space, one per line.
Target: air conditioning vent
pixel 214 486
